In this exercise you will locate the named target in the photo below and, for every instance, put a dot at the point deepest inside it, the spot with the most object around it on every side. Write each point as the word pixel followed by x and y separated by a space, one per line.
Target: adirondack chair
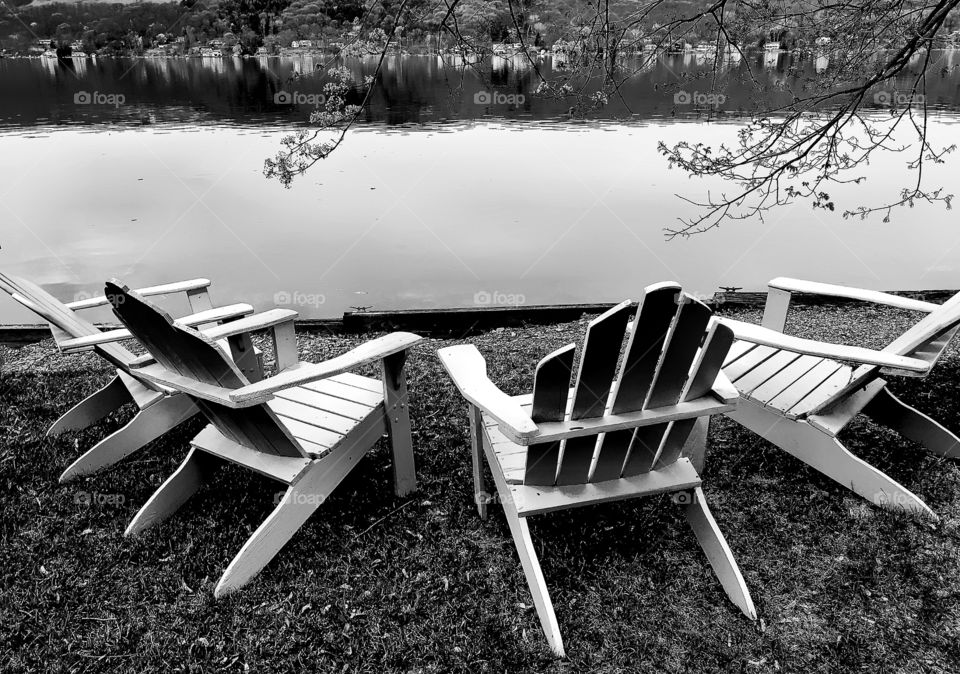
pixel 307 426
pixel 159 410
pixel 798 396
pixel 617 434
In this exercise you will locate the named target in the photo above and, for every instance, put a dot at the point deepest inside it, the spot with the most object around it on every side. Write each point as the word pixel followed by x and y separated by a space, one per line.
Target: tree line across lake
pixel 248 25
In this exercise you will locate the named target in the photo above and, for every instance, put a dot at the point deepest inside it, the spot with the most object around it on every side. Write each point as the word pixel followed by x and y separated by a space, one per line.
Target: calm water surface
pixel 435 201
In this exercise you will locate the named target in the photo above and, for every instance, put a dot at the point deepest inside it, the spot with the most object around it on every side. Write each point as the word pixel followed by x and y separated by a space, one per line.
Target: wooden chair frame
pixel 159 409
pixel 765 361
pixel 497 419
pixel 238 438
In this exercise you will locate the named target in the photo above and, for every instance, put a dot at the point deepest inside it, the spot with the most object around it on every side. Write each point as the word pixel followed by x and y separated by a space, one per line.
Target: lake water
pixel 439 198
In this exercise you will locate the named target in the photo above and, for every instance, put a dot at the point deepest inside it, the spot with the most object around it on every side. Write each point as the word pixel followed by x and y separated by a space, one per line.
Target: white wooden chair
pixel 307 426
pixel 159 411
pixel 618 434
pixel 798 395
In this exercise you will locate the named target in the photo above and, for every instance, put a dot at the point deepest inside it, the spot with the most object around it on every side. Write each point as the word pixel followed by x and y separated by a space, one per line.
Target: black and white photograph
pixel 479 336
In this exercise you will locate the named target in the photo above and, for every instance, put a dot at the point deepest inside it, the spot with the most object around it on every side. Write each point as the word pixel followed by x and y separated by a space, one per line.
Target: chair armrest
pixel 304 373
pixel 165 289
pixel 725 390
pixel 764 336
pixel 158 374
pixel 261 321
pixel 468 370
pixel 209 316
pixel 793 285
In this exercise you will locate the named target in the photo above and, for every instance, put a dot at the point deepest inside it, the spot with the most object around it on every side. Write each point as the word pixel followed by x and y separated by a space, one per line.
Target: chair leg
pixel 695 447
pixel 480 495
pixel 92 408
pixel 890 411
pixel 825 453
pixel 538 586
pixel 396 402
pixel 178 488
pixel 305 494
pixel 148 425
pixel 718 552
pixel 301 499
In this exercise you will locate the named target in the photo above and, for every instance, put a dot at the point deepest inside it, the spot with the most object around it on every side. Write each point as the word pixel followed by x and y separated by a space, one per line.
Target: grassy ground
pixel 376 583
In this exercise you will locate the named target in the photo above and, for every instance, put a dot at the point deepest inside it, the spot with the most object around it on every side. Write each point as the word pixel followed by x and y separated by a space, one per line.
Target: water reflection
pixel 422 219
pixel 415 89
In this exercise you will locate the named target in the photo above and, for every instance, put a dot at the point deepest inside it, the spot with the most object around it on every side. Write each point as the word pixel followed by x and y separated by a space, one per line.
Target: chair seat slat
pixel 311 415
pixel 764 371
pixel 323 401
pixel 338 389
pixel 739 349
pixel 835 382
pixel 784 378
pixel 804 385
pixel 743 365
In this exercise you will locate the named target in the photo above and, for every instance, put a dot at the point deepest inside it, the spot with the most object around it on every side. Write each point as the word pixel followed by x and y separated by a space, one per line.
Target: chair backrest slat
pixel 684 341
pixel 715 348
pixel 551 385
pixel 61 317
pixel 674 352
pixel 658 306
pixel 551 390
pixel 650 330
pixel 189 354
pixel 705 370
pixel 598 364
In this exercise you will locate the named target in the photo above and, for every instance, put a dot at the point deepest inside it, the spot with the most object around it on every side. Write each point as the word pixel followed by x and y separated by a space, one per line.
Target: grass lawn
pixel 375 583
